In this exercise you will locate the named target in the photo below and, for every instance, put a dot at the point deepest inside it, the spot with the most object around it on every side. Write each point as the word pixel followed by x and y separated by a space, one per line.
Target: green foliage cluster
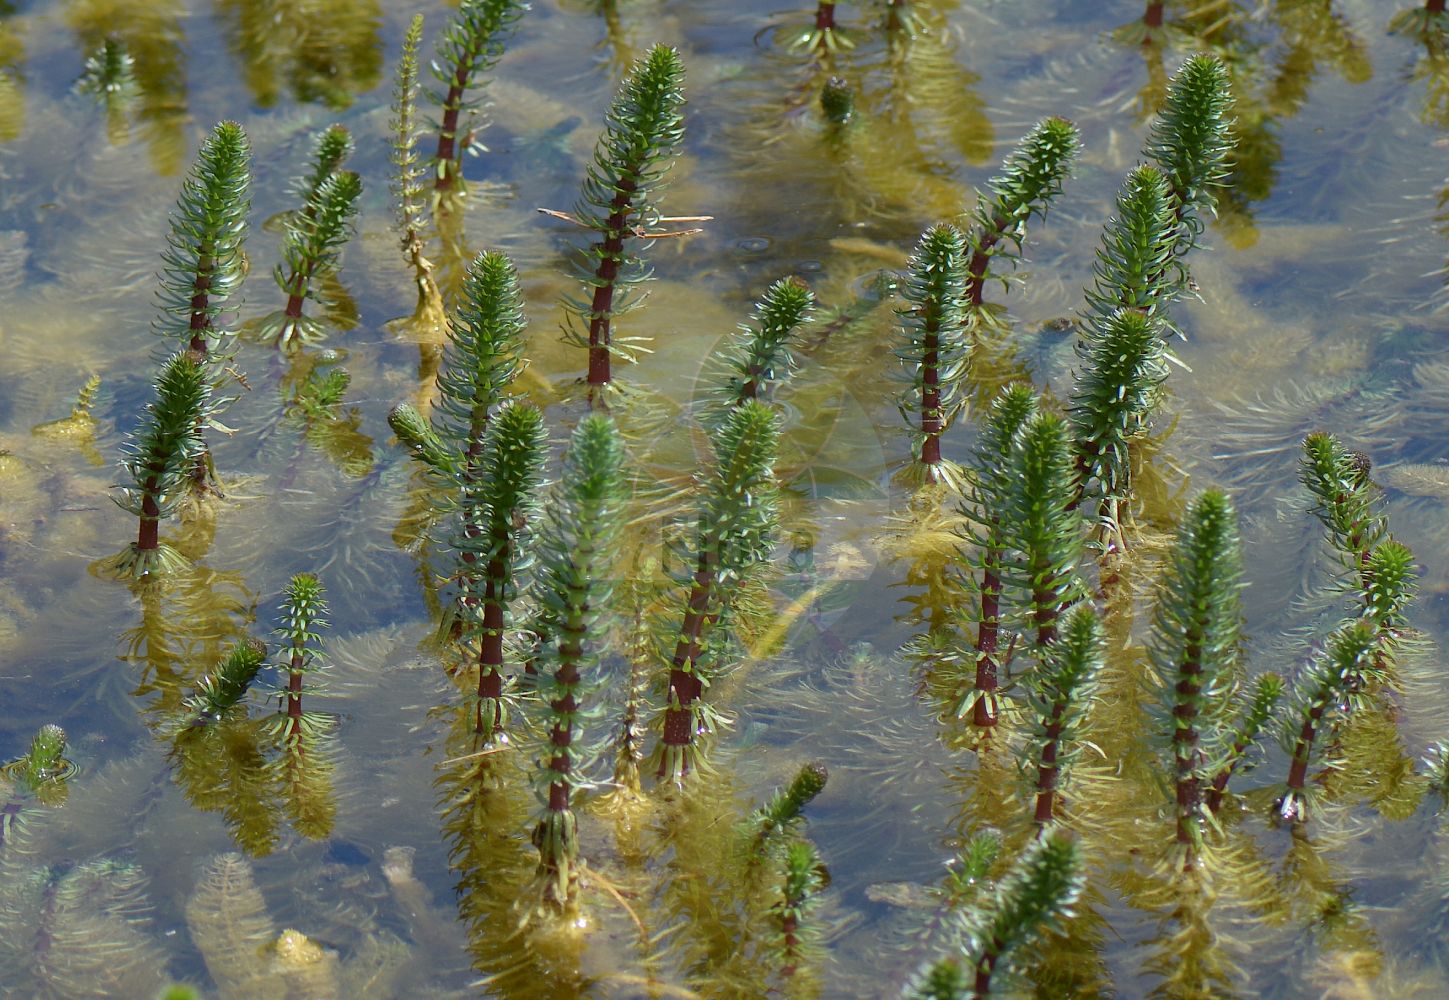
pixel 203 265
pixel 573 588
pixel 471 45
pixel 643 133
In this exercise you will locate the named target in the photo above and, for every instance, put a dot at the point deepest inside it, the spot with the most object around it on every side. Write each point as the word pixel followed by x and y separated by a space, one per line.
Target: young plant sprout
pixel 1196 640
pixel 160 458
pixel 409 182
pixel 495 548
pixel 759 356
pixel 203 265
pixel 315 237
pixel 221 690
pixel 303 606
pixel 734 533
pixel 1332 686
pixel 471 46
pixel 1030 178
pixel 934 351
pixel 1059 695
pixel 643 132
pixel 575 582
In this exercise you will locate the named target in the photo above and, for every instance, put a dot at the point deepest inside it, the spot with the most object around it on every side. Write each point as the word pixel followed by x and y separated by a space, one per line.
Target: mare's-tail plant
pixel 934 352
pixel 1113 399
pixel 1190 143
pixel 1140 268
pixel 483 355
pixel 46 759
pixel 800 886
pixel 1380 568
pixel 494 547
pixel 643 132
pixel 1124 358
pixel 1059 696
pixel 303 607
pixel 1043 528
pixel 1030 178
pixel 575 583
pixel 220 691
pixel 471 46
pixel 1195 646
pixel 1346 499
pixel 734 532
pixel 203 264
pixel 780 815
pixel 1267 691
pixel 989 486
pixel 1332 686
pixel 760 356
pixel 408 184
pixel 1035 897
pixel 315 236
pixel 159 462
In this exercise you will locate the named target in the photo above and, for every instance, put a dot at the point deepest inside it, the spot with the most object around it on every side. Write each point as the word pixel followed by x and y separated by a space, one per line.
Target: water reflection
pixel 326 51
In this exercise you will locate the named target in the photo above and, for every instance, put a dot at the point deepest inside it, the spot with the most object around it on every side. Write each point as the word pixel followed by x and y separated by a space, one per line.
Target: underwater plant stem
pixel 1214 798
pixel 1046 776
pixel 448 134
pixel 200 292
pixel 981 259
pixel 148 535
pixel 825 17
pixel 685 686
pixel 294 688
pixel 1434 6
pixel 1186 755
pixel 561 736
pixel 1152 18
pixel 987 634
pixel 490 649
pixel 611 254
pixel 1047 601
pixel 985 968
pixel 1303 748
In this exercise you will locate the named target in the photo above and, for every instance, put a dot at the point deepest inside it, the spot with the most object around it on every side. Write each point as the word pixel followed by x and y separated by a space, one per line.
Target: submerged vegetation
pixel 1158 716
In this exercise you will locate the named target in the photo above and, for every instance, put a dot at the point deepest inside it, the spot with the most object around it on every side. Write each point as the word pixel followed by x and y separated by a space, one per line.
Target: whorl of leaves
pixel 203 264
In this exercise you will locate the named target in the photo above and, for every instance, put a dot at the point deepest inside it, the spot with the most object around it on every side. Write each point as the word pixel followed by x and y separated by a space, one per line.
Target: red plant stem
pixel 148 537
pixel 1045 617
pixel 1185 746
pixel 790 931
pixel 980 258
pixel 1047 772
pixel 684 685
pixel 1214 799
pixel 1434 6
pixel 448 133
pixel 490 649
pixel 987 631
pixel 200 292
pixel 294 686
pixel 1298 770
pixel 1153 16
pixel 561 736
pixel 985 968
pixel 611 255
pixel 825 17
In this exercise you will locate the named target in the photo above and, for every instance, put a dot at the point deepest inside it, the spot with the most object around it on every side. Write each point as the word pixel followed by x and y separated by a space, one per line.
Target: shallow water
pixel 1322 307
